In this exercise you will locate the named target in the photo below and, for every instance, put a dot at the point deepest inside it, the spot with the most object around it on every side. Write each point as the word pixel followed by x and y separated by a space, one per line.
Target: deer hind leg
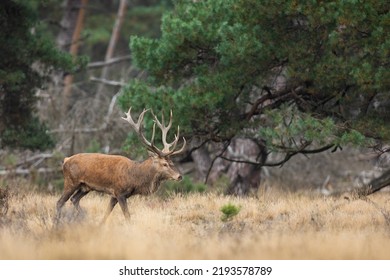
pixel 111 205
pixel 60 203
pixel 68 192
pixel 81 192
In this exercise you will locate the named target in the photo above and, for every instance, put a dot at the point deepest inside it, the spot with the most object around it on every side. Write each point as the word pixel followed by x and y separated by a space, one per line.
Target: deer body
pixel 118 176
pixel 115 175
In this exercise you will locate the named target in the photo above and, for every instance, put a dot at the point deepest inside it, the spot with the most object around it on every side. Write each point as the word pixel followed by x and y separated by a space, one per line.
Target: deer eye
pixel 165 164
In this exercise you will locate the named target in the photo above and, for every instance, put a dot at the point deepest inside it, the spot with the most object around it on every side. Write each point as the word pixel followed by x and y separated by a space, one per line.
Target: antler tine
pixel 130 120
pixel 153 133
pixel 167 151
pixel 164 131
pixel 175 143
pixel 138 127
pixel 181 149
pixel 170 120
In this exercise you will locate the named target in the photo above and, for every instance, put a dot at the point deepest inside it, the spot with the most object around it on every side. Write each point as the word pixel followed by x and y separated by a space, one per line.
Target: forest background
pixel 253 86
pixel 284 105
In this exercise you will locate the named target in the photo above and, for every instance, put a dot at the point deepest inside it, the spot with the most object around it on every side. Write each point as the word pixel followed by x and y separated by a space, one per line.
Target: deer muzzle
pixel 179 178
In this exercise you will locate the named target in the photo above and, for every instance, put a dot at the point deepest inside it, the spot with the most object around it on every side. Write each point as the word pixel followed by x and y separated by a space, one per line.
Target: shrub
pixel 229 211
pixel 184 186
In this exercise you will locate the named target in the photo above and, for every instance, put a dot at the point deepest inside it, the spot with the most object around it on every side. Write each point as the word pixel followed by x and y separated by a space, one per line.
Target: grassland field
pixel 274 225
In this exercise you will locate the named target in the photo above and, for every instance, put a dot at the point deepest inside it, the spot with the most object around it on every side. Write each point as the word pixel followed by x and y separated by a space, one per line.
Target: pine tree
pixel 295 76
pixel 27 57
pixel 317 72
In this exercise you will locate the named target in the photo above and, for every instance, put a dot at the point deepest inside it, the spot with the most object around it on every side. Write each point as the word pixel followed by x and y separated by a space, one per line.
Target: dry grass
pixel 275 226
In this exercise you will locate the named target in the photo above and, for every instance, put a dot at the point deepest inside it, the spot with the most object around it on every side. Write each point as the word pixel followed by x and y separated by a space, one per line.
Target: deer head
pixel 161 157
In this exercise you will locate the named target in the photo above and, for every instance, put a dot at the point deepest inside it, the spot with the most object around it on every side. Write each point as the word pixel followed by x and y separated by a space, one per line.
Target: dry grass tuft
pixel 4 195
pixel 275 226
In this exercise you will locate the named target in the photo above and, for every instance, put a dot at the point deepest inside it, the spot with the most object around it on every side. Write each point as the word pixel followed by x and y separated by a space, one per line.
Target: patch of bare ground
pixel 276 225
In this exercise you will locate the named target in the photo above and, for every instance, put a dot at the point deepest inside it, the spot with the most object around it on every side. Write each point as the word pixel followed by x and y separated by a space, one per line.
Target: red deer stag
pixel 119 176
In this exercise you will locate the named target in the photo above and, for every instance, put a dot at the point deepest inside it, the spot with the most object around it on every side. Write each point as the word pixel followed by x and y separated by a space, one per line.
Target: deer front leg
pixel 111 205
pixel 123 205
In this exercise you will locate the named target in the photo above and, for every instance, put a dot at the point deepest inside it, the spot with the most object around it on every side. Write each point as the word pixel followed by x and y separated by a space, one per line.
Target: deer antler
pixel 138 127
pixel 164 131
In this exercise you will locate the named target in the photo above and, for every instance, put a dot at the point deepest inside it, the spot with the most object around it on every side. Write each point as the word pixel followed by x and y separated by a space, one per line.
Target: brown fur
pixel 117 176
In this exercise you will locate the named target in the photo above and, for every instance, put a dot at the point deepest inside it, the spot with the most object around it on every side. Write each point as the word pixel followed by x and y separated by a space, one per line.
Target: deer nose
pixel 179 178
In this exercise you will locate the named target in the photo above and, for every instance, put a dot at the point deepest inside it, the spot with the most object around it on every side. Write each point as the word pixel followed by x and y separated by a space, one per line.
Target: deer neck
pixel 154 177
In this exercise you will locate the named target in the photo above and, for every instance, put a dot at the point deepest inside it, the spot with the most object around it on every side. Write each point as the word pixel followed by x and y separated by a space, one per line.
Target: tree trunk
pixel 244 178
pixel 202 160
pixel 68 24
pixel 112 44
pixel 378 183
pixel 72 24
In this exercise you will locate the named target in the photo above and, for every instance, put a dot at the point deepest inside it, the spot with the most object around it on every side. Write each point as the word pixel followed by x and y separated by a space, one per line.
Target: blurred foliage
pixel 33 135
pixel 142 18
pixel 184 187
pixel 31 28
pixel 93 147
pixel 217 65
pixel 288 127
pixel 27 57
pixel 9 160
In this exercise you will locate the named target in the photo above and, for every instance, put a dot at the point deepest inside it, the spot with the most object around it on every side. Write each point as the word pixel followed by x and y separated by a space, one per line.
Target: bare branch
pixel 108 82
pixel 111 61
pixel 287 157
pixel 226 145
pixel 92 129
pixel 23 171
pixel 272 100
pixel 37 158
